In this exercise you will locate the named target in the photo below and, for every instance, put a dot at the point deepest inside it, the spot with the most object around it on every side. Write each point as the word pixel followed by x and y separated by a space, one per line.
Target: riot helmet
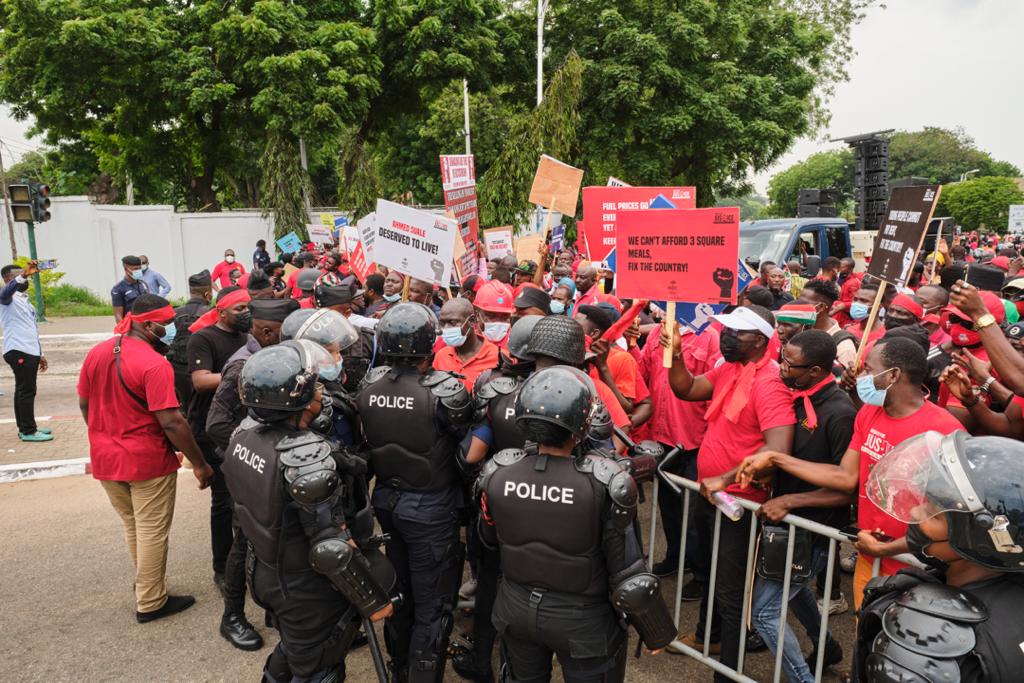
pixel 560 395
pixel 320 325
pixel 519 336
pixel 306 280
pixel 283 377
pixel 407 330
pixel 558 337
pixel 973 481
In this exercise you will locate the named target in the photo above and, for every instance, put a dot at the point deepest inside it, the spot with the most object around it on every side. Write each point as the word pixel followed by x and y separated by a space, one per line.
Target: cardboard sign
pixel 327 219
pixel 289 244
pixel 321 234
pixel 556 186
pixel 601 206
pixel 1015 220
pixel 367 226
pixel 415 242
pixel 678 254
pixel 527 247
pixel 902 231
pixel 498 242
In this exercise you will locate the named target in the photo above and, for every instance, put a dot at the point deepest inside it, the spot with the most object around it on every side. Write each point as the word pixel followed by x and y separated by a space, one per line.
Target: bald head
pixel 458 306
pixel 586 276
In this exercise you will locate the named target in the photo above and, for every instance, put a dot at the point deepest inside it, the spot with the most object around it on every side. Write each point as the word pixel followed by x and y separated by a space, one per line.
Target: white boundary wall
pixel 88 240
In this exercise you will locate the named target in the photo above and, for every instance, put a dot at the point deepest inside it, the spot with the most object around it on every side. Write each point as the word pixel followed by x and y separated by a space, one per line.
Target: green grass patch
pixel 70 300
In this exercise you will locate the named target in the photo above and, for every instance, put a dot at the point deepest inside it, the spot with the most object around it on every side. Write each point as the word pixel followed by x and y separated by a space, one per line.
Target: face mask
pixel 169 332
pixel 145 267
pixel 791 383
pixel 917 544
pixel 22 286
pixel 893 323
pixel 557 307
pixel 453 336
pixel 869 393
pixel 333 372
pixel 731 348
pixel 136 274
pixel 392 298
pixel 963 336
pixel 243 322
pixel 229 259
pixel 495 332
pixel 859 311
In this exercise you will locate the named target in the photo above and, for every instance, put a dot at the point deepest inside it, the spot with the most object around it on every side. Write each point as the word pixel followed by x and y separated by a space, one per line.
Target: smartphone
pixel 850 532
pixel 48 264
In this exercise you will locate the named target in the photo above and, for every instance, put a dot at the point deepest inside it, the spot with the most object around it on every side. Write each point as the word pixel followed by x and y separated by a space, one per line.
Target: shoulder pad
pixel 623 493
pixel 503 385
pixel 604 468
pixel 486 393
pixel 888 661
pixel 944 601
pixel 489 468
pixel 249 422
pixel 434 377
pixel 448 386
pixel 375 374
pixel 302 449
pixel 509 456
pixel 927 634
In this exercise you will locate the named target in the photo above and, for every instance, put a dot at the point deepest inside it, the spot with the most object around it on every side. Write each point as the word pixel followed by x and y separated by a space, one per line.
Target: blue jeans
pixel 767 607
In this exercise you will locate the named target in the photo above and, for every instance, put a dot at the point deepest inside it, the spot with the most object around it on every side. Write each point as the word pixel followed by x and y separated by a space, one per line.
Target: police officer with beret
pixel 568 579
pixel 289 491
pixel 413 418
pixel 960 621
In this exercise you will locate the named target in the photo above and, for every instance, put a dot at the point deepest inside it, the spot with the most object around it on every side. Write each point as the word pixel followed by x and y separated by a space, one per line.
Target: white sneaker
pixel 849 563
pixel 836 606
pixel 468 589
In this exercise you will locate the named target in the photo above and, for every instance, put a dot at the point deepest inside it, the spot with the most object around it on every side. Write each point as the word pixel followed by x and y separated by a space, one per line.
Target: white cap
pixel 743 318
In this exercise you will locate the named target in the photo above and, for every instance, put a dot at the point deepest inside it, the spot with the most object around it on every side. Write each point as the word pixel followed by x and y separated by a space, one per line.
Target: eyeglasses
pixel 735 333
pixel 785 363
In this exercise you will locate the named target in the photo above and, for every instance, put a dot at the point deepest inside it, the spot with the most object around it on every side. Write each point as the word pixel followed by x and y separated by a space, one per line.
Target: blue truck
pixel 808 240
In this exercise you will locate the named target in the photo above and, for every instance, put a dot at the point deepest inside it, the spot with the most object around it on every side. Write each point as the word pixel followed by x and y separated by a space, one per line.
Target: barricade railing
pixel 687 488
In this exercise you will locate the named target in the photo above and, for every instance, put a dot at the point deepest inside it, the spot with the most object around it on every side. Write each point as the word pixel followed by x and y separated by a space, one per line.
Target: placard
pixel 367 226
pixel 527 246
pixel 458 181
pixel 358 263
pixel 902 231
pixel 602 204
pixel 557 238
pixel 498 242
pixel 678 254
pixel 320 234
pixel 415 242
pixel 556 185
pixel 615 182
pixel 698 316
pixel 289 244
pixel 457 171
pixel 1015 220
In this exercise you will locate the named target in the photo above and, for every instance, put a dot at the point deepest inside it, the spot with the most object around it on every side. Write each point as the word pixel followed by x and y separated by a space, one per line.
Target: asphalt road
pixel 67 607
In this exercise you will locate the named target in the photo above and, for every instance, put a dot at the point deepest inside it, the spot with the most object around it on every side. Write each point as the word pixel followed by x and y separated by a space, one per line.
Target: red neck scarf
pixel 210 317
pixel 812 417
pixel 158 315
pixel 732 392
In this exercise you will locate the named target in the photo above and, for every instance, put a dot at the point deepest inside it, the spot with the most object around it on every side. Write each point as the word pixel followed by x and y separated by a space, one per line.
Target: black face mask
pixel 790 383
pixel 243 322
pixel 917 541
pixel 893 323
pixel 22 286
pixel 731 348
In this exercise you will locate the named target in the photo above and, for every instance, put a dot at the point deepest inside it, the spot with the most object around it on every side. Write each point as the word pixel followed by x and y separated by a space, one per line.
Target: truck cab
pixel 808 240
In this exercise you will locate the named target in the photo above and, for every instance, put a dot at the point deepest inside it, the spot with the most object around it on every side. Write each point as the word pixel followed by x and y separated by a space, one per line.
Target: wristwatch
pixel 984 321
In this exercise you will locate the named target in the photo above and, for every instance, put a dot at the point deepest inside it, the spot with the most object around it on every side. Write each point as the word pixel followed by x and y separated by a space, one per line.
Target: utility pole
pixel 542 7
pixel 465 112
pixel 7 210
pixel 37 284
pixel 305 169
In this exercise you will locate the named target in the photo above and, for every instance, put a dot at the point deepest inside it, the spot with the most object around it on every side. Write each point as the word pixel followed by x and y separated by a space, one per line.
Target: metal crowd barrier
pixel 686 488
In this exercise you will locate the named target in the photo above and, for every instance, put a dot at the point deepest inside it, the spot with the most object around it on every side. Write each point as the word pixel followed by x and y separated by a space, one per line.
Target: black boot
pixel 465 664
pixel 237 630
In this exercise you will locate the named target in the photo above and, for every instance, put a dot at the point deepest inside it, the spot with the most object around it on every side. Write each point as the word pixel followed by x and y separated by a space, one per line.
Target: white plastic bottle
pixel 729 506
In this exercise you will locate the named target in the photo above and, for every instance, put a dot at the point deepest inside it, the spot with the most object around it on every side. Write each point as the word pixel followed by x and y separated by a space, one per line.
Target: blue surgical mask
pixel 557 307
pixel 333 372
pixel 869 393
pixel 137 274
pixel 859 311
pixel 392 298
pixel 169 332
pixel 145 267
pixel 453 336
pixel 495 332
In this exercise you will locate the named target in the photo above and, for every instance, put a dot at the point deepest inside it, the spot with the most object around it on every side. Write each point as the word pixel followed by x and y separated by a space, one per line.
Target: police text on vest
pixel 249 458
pixel 550 494
pixel 400 402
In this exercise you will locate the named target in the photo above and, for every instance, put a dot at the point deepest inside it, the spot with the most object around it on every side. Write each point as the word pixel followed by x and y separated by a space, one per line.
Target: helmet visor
pixel 314 357
pixel 326 327
pixel 921 478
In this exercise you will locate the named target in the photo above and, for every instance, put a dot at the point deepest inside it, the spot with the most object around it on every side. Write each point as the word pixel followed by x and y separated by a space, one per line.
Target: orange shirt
pixel 618 415
pixel 623 368
pixel 485 358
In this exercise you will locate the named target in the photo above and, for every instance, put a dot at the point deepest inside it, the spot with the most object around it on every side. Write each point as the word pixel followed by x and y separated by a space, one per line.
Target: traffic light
pixel 40 203
pixel 21 202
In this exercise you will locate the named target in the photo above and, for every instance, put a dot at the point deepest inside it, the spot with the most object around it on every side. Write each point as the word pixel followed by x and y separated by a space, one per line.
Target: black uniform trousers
pixel 582 631
pixel 227 540
pixel 25 367
pixel 183 387
pixel 307 620
pixel 670 506
pixel 484 634
pixel 729 577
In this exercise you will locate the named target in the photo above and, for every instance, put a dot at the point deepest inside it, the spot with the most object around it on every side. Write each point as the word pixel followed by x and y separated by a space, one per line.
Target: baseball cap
pixel 742 318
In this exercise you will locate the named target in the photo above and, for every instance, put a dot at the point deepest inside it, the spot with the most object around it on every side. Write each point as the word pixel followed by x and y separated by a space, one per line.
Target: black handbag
pixel 771 557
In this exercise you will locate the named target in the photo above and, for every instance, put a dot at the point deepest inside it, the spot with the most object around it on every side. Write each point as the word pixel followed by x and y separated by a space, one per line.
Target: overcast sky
pixel 919 63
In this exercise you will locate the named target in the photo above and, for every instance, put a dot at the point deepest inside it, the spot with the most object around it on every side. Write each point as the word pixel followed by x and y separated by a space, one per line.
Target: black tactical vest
pixel 548 517
pixel 254 478
pixel 501 412
pixel 404 445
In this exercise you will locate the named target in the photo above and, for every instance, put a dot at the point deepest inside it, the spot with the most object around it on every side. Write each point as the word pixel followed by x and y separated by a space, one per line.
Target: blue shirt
pixel 156 283
pixel 124 294
pixel 18 319
pixel 260 258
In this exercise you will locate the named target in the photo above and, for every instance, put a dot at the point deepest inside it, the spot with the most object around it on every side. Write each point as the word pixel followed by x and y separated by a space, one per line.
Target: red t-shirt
pixel 618 415
pixel 726 443
pixel 222 272
pixel 874 435
pixel 485 358
pixel 623 370
pixel 126 442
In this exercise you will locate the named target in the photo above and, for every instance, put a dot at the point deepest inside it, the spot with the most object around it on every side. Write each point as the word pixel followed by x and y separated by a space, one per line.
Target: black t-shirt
pixel 208 349
pixel 826 443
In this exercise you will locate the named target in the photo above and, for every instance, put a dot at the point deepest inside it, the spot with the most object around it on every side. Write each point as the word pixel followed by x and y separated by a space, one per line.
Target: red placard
pixel 357 261
pixel 678 254
pixel 458 180
pixel 601 206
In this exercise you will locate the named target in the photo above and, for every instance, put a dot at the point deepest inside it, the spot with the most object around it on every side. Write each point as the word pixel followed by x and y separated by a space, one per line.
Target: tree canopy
pixel 981 202
pixel 824 170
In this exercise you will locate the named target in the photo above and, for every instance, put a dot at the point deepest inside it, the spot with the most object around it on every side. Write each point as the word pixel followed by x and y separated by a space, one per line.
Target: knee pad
pixel 450 577
pixel 276 669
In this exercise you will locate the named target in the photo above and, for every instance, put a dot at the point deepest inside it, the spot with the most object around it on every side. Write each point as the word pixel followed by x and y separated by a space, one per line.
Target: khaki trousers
pixel 146 509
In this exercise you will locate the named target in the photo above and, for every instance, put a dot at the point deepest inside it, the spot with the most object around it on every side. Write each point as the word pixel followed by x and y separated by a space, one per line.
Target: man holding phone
pixel 21 348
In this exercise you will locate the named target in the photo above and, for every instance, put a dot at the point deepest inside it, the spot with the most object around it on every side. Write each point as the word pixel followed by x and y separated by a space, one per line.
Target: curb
pixel 47 469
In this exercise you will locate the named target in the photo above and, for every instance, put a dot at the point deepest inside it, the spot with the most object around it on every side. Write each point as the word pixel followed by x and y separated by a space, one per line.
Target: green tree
pixel 980 202
pixel 941 155
pixel 752 207
pixel 824 170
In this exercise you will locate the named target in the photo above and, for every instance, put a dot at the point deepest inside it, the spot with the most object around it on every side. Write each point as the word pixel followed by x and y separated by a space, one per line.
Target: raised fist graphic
pixel 724 278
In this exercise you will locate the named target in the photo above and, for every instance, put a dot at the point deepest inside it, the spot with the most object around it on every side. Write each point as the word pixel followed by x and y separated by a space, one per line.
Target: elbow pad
pixel 350 572
pixel 639 597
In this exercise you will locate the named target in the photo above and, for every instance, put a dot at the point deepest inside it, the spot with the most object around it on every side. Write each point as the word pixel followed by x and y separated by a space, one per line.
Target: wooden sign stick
pixel 670 317
pixel 872 318
pixel 405 287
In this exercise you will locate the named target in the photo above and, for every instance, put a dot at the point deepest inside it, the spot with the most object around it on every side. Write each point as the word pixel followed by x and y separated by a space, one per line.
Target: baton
pixel 378 658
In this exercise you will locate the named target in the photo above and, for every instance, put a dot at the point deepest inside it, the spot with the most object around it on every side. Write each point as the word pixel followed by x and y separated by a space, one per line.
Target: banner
pixel 458 180
pixel 678 254
pixel 415 242
pixel 358 263
pixel 498 242
pixel 602 204
pixel 320 234
pixel 289 244
pixel 902 231
pixel 367 226
pixel 557 238
pixel 556 186
pixel 1015 220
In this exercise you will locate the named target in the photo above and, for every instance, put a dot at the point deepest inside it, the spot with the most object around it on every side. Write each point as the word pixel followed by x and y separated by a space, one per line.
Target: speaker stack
pixel 813 203
pixel 871 155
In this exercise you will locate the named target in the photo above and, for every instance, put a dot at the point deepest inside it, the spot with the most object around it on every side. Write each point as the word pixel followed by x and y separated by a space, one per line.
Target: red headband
pixel 210 317
pixel 903 301
pixel 155 316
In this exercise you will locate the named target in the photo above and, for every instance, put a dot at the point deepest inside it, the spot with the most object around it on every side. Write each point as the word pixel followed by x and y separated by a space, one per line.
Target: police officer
pixel 290 494
pixel 961 497
pixel 412 419
pixel 554 598
pixel 200 293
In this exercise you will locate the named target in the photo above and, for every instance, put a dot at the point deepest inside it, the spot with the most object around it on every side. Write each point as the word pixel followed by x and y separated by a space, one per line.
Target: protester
pixel 221 273
pixel 155 282
pixel 859 312
pixel 531 300
pixel 494 309
pixel 260 257
pixel 562 297
pixel 200 294
pixel 129 288
pixel 374 294
pixel 796 281
pixel 422 292
pixel 793 318
pixel 465 351
pixel 777 286
pixel 126 395
pixel 331 275
pixel 22 349
pixel 822 294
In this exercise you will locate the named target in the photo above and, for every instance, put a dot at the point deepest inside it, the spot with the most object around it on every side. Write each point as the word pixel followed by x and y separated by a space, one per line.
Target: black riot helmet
pixel 320 325
pixel 519 336
pixel 974 481
pixel 283 377
pixel 407 330
pixel 558 337
pixel 561 396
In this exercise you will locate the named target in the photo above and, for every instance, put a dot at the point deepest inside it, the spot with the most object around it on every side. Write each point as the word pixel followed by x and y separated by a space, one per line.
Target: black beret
pixel 200 279
pixel 274 310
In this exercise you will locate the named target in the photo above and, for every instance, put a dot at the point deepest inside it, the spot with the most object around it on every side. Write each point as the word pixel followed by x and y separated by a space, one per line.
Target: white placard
pixel 498 242
pixel 367 226
pixel 319 234
pixel 1016 222
pixel 415 242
